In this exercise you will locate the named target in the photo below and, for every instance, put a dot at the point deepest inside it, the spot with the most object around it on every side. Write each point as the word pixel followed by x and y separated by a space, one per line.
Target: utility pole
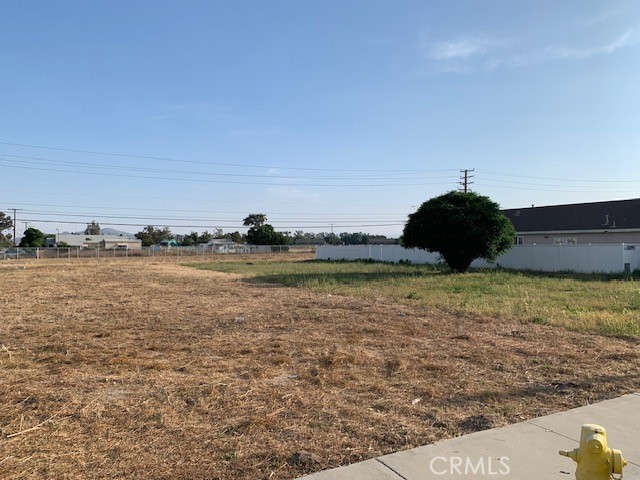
pixel 15 221
pixel 464 179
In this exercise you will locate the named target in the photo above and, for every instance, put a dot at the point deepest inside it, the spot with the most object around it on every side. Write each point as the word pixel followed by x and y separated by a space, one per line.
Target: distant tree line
pixel 260 233
pixel 344 238
pixel 152 236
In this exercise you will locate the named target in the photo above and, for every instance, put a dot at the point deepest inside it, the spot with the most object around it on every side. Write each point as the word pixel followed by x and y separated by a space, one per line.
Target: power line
pixel 249 165
pixel 65 163
pixel 169 219
pixel 550 184
pixel 152 197
pixel 242 165
pixel 506 174
pixel 146 177
pixel 210 225
pixel 209 212
pixel 593 188
pixel 564 190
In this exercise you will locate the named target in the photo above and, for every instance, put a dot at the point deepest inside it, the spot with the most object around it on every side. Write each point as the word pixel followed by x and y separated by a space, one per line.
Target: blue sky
pixel 316 113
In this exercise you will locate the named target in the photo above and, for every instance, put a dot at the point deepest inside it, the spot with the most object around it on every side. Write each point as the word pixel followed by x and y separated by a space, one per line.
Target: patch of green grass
pixel 604 304
pixel 539 320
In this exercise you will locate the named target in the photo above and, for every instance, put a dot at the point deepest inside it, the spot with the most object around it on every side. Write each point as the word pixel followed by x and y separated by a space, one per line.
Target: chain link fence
pixel 18 253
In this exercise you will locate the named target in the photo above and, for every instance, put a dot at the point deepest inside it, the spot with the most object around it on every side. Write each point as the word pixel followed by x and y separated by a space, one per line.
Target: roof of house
pixel 81 237
pixel 618 215
pixel 220 241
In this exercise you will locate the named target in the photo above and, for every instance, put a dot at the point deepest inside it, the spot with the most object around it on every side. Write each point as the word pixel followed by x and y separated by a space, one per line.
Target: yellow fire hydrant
pixel 596 461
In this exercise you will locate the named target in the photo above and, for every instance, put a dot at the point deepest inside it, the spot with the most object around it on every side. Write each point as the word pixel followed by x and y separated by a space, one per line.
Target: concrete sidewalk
pixel 524 451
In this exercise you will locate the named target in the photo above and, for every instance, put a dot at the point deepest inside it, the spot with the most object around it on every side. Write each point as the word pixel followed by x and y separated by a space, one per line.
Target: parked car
pixel 14 253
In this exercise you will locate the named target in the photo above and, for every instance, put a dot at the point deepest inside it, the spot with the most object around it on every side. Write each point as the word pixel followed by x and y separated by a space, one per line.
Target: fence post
pixel 561 257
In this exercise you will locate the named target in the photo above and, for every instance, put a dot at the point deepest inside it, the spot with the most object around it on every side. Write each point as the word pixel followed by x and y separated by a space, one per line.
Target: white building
pixel 102 241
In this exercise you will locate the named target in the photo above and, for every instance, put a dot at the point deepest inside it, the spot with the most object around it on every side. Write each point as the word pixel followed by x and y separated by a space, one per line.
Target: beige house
pixel 102 241
pixel 578 224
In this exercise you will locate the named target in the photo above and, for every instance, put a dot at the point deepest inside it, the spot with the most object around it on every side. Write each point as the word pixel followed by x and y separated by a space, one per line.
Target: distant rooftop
pixel 617 214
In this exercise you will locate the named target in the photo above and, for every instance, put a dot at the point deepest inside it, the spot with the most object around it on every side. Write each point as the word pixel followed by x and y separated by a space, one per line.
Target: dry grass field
pixel 151 369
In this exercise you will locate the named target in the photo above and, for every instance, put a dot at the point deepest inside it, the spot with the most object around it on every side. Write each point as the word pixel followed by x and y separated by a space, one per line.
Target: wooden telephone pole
pixel 14 225
pixel 464 179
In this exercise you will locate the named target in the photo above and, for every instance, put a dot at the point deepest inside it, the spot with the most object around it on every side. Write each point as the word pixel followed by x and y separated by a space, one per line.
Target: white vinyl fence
pixel 590 258
pixel 20 253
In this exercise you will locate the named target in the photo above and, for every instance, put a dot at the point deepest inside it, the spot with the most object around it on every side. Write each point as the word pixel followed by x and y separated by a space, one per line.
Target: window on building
pixel 518 240
pixel 565 241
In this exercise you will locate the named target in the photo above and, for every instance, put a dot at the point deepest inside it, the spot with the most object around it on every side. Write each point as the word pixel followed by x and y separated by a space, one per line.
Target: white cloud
pixel 624 40
pixel 598 18
pixel 460 48
pixel 553 53
pixel 485 52
pixel 464 53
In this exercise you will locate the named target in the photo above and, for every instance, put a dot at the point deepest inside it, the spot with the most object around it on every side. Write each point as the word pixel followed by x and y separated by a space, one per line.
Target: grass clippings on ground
pixel 143 369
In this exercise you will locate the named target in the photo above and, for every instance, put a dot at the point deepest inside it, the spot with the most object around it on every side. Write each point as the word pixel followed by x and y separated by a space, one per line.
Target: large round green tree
pixel 461 227
pixel 33 238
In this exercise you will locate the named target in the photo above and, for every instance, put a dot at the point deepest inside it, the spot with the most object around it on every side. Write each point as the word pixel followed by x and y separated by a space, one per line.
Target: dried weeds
pixel 149 369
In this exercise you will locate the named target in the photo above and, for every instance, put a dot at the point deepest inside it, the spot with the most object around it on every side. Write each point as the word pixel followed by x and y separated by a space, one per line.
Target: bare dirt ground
pixel 143 369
